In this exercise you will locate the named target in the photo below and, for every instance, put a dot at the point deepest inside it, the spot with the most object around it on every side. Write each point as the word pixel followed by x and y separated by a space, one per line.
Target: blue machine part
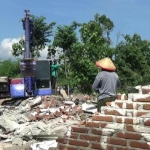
pixel 28 65
pixel 44 91
pixel 22 81
pixel 17 90
pixel 28 84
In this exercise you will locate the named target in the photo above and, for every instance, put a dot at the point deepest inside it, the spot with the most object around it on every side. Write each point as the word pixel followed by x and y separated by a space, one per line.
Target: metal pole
pixel 27 35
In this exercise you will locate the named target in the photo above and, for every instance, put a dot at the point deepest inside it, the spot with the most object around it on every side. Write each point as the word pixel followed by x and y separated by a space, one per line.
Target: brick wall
pixel 125 125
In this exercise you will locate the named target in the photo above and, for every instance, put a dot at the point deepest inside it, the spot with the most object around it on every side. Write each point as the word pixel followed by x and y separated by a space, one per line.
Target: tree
pixel 9 68
pixel 64 38
pixel 41 37
pixel 94 44
pixel 132 59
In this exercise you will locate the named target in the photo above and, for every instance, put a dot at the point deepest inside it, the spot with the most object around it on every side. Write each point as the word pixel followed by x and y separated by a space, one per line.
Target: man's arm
pixel 55 66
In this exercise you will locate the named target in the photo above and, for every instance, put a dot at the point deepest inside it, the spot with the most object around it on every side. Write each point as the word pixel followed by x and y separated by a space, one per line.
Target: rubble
pixel 42 119
pixel 44 145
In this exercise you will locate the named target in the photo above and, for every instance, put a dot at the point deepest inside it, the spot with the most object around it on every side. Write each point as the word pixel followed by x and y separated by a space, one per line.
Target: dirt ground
pixel 4 145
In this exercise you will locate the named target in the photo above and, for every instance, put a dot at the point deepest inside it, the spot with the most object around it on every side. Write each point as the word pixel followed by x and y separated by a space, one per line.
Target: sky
pixel 128 16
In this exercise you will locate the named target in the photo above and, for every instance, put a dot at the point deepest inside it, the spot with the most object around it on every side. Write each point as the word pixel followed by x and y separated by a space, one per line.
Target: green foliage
pixel 132 59
pixel 65 37
pixel 93 46
pixel 42 31
pixel 80 54
pixel 17 48
pixel 51 52
pixel 41 37
pixel 9 68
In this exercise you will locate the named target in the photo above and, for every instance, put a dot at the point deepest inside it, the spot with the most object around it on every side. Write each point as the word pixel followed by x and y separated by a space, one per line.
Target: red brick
pixel 74 135
pixel 103 125
pixel 125 97
pixel 97 131
pixel 46 104
pixel 90 138
pixel 102 118
pixel 128 121
pixel 147 122
pixel 129 135
pixel 61 140
pixel 57 114
pixel 48 117
pixel 38 110
pixel 53 103
pixel 119 120
pixel 80 129
pixel 120 148
pixel 146 106
pixel 79 143
pixel 129 106
pixel 124 148
pixel 96 146
pixel 71 148
pixel 112 112
pixel 138 144
pixel 84 148
pixel 130 128
pixel 32 118
pixel 61 147
pixel 143 99
pixel 145 91
pixel 92 124
pixel 39 117
pixel 117 141
pixel 119 104
pixel 109 147
pixel 141 113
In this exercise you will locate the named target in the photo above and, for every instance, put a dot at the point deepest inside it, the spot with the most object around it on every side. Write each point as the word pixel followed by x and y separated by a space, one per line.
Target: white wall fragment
pixel 44 145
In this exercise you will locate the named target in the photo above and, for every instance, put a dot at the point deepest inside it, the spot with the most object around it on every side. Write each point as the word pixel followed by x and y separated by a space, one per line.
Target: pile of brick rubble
pixel 43 118
pixel 39 121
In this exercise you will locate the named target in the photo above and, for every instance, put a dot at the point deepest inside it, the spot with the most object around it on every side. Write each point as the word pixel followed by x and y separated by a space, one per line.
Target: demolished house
pixel 72 123
pixel 43 118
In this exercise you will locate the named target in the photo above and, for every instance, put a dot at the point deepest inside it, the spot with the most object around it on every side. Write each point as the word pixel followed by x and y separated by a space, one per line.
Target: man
pixel 106 82
pixel 54 74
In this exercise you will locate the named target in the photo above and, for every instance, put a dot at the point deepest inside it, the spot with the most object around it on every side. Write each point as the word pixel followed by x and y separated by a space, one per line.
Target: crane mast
pixel 28 32
pixel 28 64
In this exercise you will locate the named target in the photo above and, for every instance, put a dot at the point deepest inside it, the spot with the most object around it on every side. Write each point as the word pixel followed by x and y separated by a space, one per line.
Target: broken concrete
pixel 43 118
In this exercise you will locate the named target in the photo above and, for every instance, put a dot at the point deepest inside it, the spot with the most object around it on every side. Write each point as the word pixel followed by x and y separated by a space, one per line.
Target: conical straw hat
pixel 106 63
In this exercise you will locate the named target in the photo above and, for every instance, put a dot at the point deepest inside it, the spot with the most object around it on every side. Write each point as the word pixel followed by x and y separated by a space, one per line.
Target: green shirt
pixel 54 69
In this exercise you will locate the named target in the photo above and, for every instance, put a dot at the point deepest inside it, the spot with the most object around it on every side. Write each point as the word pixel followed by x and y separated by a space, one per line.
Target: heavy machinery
pixel 36 74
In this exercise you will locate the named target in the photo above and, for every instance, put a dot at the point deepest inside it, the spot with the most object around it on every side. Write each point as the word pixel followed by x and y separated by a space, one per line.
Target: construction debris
pixel 43 119
pixel 39 121
pixel 44 145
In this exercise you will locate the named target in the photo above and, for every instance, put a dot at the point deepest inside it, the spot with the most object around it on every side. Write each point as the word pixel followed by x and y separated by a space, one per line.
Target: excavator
pixel 35 74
